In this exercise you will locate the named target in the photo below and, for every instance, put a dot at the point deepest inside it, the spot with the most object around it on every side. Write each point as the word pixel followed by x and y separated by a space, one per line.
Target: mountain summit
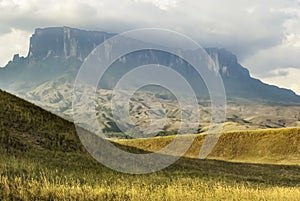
pixel 64 42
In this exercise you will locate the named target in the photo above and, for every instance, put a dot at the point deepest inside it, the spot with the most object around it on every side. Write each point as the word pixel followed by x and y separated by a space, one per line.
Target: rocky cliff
pixel 58 52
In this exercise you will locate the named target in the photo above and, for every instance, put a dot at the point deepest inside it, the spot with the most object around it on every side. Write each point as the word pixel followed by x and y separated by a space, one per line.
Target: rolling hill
pixel 43 159
pixel 25 126
pixel 273 146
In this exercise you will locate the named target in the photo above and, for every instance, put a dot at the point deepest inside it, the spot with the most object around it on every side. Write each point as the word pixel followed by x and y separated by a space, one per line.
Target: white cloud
pixel 162 4
pixel 290 80
pixel 16 41
pixel 282 55
pixel 279 65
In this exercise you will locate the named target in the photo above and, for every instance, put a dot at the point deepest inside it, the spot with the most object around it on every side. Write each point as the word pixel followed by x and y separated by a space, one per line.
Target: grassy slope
pixel 277 146
pixel 24 126
pixel 42 159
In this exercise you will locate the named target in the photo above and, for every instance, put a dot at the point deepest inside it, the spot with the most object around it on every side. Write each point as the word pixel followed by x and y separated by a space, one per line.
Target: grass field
pixel 42 159
pixel 41 174
pixel 48 175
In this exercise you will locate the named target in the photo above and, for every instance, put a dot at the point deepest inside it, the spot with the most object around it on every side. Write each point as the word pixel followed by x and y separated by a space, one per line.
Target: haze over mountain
pixel 58 52
pixel 46 75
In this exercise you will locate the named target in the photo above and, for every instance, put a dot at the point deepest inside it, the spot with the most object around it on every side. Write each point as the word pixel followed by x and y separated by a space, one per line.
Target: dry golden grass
pixel 179 189
pixel 54 175
pixel 271 146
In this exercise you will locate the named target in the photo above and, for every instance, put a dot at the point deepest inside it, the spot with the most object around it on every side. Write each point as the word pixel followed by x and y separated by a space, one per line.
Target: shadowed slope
pixel 280 146
pixel 24 126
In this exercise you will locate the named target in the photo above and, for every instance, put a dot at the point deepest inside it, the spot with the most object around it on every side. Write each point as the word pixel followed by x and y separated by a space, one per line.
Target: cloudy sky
pixel 264 34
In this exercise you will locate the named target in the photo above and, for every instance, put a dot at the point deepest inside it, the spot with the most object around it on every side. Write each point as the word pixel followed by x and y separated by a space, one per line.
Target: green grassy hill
pixel 24 126
pixel 42 159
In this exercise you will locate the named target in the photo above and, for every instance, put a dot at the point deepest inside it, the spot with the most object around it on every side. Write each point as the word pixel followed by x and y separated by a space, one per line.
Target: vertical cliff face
pixel 227 63
pixel 53 52
pixel 63 42
pixel 58 52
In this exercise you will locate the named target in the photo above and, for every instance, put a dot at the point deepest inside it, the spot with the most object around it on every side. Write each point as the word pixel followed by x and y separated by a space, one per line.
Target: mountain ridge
pixel 58 52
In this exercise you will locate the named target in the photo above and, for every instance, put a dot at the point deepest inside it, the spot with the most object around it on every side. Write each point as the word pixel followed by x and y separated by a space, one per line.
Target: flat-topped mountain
pixel 63 42
pixel 58 52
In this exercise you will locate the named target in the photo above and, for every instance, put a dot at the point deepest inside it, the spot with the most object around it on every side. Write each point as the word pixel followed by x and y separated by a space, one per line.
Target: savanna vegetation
pixel 42 159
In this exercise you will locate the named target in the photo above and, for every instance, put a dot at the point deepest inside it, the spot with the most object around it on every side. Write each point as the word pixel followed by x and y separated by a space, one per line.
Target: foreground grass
pixel 179 189
pixel 48 175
